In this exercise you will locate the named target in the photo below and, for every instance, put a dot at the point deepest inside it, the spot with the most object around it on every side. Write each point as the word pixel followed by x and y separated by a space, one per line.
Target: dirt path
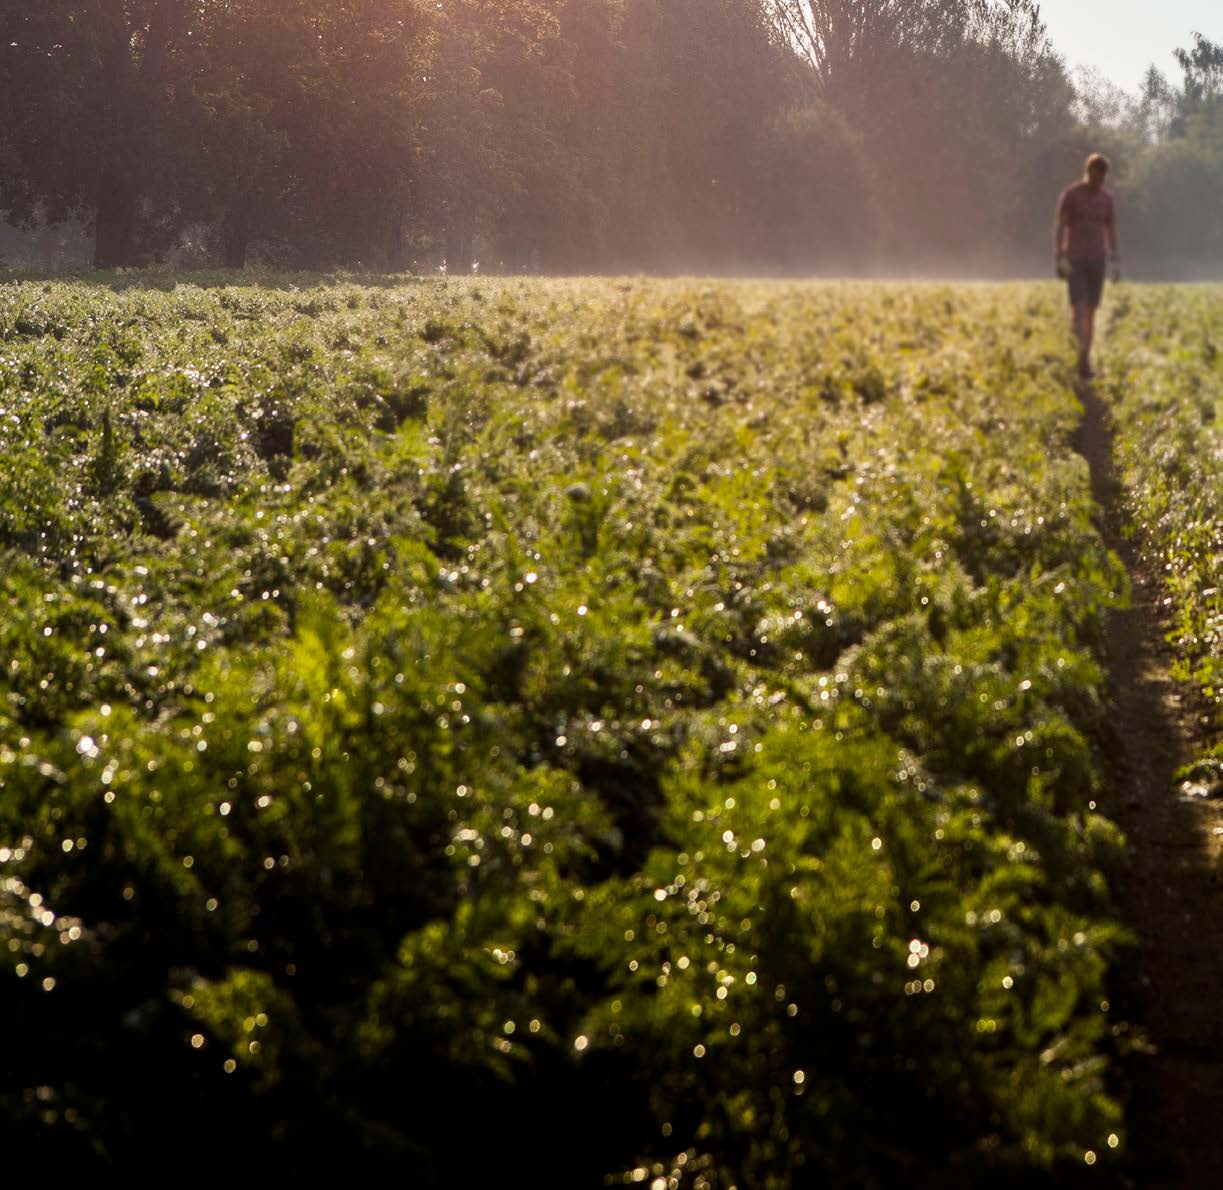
pixel 1172 894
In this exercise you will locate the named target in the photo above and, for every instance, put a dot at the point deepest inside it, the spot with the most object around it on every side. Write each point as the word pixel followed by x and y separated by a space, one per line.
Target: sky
pixel 1122 37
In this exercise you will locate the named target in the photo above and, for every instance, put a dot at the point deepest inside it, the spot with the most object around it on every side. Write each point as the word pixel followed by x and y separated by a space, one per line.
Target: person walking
pixel 1084 239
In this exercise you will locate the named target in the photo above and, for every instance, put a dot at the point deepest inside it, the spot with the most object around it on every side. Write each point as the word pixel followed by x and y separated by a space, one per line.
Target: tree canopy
pixel 577 135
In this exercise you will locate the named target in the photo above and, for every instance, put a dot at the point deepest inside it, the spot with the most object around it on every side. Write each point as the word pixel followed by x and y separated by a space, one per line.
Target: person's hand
pixel 1062 268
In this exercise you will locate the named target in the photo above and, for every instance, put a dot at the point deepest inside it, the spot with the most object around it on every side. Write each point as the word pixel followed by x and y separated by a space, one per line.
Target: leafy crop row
pixel 560 729
pixel 1167 395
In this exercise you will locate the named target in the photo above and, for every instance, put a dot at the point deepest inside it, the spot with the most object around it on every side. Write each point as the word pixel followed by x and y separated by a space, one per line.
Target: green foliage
pixel 1166 389
pixel 434 714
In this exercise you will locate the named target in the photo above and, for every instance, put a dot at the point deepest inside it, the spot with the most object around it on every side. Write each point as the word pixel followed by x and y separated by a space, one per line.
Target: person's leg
pixel 1086 290
pixel 1095 296
pixel 1079 300
pixel 1083 331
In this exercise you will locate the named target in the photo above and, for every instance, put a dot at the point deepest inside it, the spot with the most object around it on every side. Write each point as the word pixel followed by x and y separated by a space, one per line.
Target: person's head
pixel 1095 170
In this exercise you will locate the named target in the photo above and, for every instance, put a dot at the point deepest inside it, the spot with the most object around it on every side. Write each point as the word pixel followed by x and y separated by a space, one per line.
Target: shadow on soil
pixel 1170 893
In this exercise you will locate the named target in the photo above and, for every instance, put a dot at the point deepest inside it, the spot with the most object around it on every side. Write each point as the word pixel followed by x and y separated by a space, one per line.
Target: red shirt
pixel 1090 215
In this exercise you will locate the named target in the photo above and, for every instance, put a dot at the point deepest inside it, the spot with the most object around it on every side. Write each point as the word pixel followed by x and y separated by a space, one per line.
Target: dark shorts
pixel 1087 282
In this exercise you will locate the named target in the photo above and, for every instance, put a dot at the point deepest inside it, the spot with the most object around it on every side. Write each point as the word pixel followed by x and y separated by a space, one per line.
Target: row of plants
pixel 1166 394
pixel 578 731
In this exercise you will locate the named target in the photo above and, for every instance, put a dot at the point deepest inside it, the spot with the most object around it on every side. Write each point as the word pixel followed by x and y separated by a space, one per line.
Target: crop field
pixel 589 732
pixel 1168 393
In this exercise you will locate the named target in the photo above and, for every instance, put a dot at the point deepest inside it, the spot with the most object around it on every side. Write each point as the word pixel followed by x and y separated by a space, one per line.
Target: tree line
pixel 1168 137
pixel 581 135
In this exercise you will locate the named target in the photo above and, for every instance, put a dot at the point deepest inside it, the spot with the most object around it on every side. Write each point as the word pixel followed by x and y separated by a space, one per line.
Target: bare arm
pixel 1061 228
pixel 1114 242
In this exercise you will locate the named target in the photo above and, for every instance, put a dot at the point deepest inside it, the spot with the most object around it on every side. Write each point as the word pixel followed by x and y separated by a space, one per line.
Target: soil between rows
pixel 1171 894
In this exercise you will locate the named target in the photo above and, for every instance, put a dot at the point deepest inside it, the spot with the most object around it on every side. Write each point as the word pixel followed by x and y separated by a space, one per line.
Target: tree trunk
pixel 396 254
pixel 115 231
pixel 236 235
pixel 133 106
pixel 459 250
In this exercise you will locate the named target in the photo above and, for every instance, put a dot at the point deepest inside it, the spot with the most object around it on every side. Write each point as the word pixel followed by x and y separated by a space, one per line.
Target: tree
pixel 562 134
pixel 554 87
pixel 1173 193
pixel 306 117
pixel 254 69
pixel 813 206
pixel 850 43
pixel 1203 68
pixel 683 143
pixel 100 75
pixel 954 100
pixel 361 170
pixel 480 111
pixel 1158 107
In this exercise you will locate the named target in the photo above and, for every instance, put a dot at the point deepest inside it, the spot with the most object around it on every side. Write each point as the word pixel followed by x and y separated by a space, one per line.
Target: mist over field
pixel 832 137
